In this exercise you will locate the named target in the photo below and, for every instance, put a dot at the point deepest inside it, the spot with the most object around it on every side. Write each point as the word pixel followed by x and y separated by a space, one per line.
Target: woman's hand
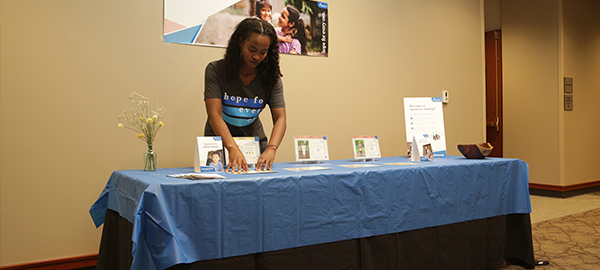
pixel 214 109
pixel 237 163
pixel 265 161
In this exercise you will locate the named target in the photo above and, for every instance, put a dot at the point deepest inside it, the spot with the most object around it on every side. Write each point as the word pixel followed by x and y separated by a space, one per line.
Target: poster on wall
pixel 424 119
pixel 302 25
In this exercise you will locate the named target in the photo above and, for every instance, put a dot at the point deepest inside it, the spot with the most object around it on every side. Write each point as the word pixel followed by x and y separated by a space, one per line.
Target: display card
pixel 311 148
pixel 249 147
pixel 209 155
pixel 366 147
pixel 424 121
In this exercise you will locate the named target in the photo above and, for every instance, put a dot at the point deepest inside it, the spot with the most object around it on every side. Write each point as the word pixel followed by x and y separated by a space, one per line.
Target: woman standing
pixel 238 88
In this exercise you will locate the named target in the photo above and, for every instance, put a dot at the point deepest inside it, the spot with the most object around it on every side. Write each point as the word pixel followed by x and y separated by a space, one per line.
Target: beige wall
pixel 68 67
pixel 493 15
pixel 530 46
pixel 581 57
pixel 544 41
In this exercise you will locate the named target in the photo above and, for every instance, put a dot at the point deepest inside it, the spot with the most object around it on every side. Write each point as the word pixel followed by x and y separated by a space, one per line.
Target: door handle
pixel 494 124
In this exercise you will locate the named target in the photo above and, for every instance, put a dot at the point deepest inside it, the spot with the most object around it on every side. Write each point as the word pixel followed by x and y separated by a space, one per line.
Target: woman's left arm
pixel 279 126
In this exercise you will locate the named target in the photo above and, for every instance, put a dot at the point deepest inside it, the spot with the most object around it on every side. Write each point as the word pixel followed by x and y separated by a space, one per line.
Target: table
pixel 177 221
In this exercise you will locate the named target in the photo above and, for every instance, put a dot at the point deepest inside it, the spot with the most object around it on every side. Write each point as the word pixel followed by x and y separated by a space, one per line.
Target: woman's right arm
pixel 214 109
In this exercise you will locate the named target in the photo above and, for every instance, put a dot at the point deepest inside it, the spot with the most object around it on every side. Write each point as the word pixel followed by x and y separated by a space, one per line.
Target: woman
pixel 238 88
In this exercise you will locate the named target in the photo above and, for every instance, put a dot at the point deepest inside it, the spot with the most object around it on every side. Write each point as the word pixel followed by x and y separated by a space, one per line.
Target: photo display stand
pixel 209 155
pixel 425 134
pixel 311 149
pixel 250 149
pixel 366 148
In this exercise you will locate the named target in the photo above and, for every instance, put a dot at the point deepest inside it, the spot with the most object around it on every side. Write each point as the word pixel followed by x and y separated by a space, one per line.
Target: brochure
pixel 209 155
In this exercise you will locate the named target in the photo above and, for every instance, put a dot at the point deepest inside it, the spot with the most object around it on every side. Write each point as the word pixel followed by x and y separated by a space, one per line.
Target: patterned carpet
pixel 568 243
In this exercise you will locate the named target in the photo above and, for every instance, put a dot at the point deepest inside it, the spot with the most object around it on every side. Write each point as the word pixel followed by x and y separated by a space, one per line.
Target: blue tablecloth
pixel 181 221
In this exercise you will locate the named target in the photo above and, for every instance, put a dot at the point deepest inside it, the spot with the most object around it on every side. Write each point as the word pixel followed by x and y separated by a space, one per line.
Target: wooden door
pixel 493 67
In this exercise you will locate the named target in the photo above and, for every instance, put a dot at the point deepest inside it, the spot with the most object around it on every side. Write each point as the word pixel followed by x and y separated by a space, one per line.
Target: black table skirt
pixel 477 244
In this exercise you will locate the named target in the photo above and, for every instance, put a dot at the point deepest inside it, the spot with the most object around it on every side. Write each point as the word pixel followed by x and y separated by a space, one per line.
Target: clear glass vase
pixel 150 159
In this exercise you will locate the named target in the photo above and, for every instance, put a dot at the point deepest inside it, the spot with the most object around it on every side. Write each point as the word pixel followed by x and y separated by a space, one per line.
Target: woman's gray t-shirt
pixel 241 104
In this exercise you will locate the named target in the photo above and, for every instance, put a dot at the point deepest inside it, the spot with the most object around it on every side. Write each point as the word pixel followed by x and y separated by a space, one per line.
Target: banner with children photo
pixel 301 25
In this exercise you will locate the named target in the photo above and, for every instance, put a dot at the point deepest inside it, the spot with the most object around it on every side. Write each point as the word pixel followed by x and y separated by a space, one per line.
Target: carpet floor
pixel 569 243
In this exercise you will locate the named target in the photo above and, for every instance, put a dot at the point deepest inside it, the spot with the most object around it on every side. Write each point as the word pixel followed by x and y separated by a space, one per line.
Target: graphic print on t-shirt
pixel 241 111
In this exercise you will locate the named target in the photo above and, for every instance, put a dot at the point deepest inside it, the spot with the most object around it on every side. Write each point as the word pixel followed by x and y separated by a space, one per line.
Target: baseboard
pixel 58 264
pixel 564 191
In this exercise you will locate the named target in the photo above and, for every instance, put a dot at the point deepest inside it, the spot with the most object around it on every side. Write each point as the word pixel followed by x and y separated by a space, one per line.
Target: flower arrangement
pixel 145 122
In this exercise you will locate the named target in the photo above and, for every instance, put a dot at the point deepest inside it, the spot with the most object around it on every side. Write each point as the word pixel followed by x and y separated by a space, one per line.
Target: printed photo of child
pixel 303 149
pixel 360 148
pixel 427 149
pixel 214 160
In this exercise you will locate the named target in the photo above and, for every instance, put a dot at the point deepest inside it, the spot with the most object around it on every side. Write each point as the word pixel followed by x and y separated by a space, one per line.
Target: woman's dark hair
pixel 260 4
pixel 300 32
pixel 269 68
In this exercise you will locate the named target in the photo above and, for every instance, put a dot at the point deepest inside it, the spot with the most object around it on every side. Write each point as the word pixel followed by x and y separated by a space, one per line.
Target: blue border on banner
pixel 183 35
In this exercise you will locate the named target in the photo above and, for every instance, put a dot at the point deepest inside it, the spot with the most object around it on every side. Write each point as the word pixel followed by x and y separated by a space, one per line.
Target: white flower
pixel 143 121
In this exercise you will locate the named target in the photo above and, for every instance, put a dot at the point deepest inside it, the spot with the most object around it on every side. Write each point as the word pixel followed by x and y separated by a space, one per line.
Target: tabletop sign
pixel 311 148
pixel 424 119
pixel 209 155
pixel 249 147
pixel 366 147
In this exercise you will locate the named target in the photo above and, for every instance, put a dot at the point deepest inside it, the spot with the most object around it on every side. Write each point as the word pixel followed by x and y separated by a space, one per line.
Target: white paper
pixel 308 169
pixel 414 152
pixel 360 165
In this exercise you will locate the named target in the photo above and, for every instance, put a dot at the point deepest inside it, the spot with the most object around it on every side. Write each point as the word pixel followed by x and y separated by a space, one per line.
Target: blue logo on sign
pixel 322 5
pixel 436 99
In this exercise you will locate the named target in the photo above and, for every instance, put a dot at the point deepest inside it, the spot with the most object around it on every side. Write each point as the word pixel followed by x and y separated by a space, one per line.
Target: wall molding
pixel 57 264
pixel 564 191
